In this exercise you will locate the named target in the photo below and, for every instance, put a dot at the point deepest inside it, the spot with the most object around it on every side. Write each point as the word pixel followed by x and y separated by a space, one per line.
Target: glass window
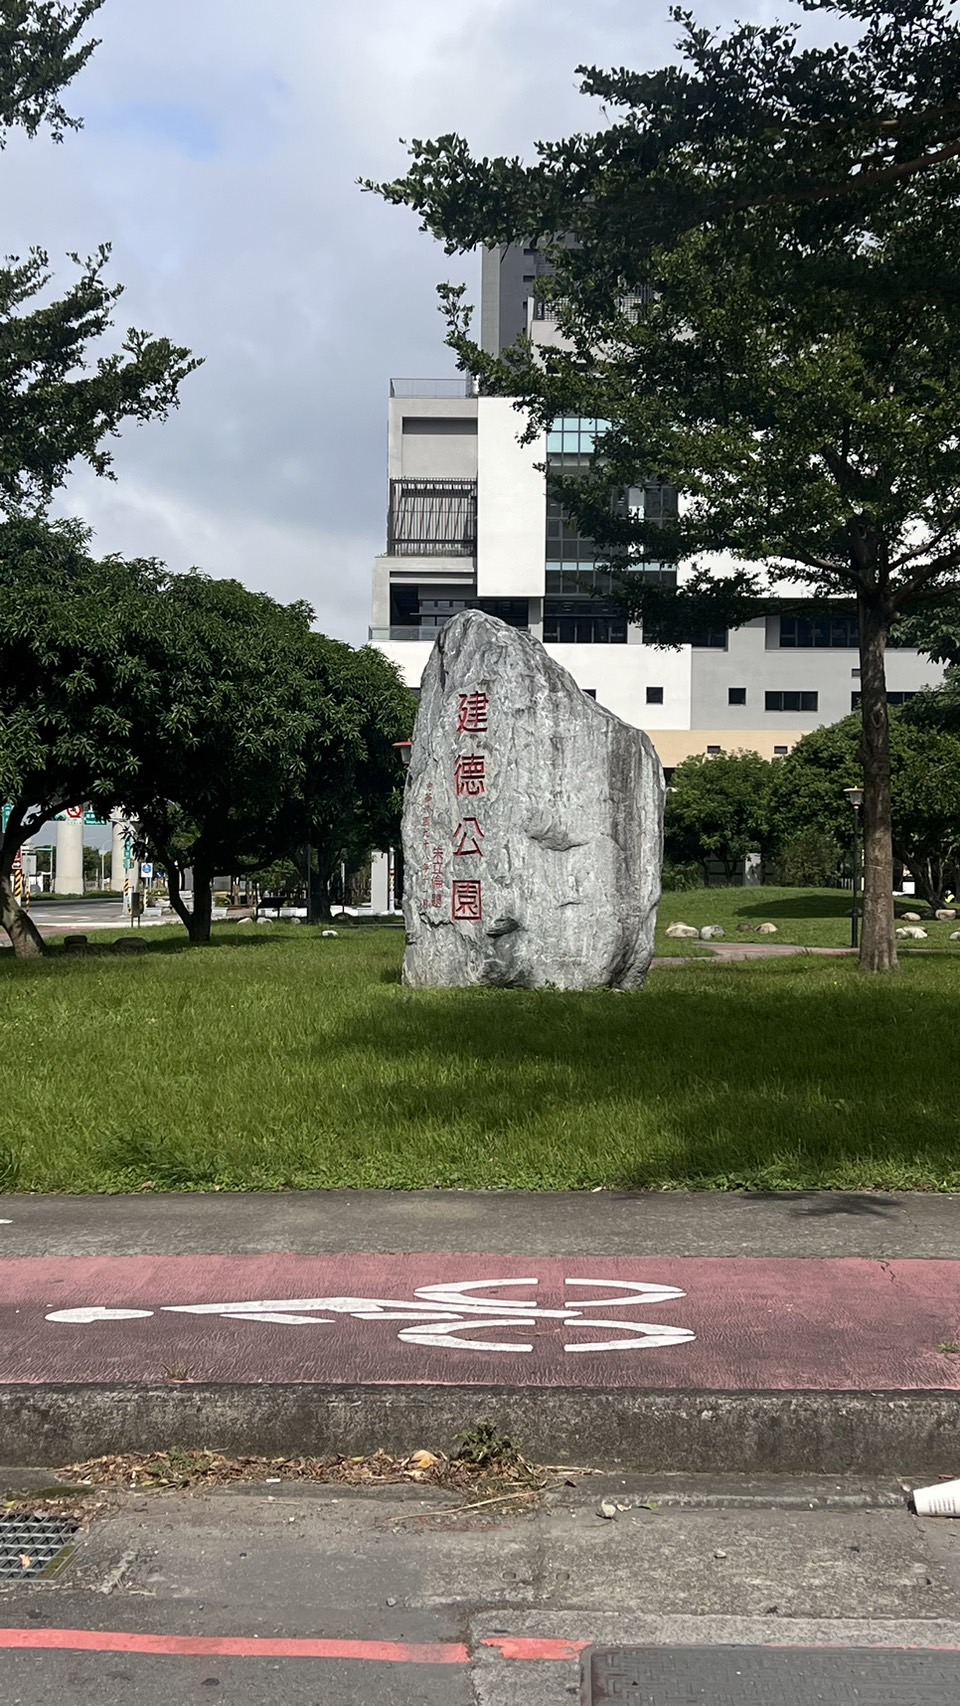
pixel 714 751
pixel 654 695
pixel 816 632
pixel 583 622
pixel 791 700
pixel 894 698
pixel 736 695
pixel 780 751
pixel 575 435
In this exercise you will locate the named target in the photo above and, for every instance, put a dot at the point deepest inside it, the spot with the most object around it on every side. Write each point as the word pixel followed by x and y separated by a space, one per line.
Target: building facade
pixel 471 525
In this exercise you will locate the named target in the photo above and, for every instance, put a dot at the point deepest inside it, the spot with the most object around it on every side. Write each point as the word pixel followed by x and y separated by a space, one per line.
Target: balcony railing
pixel 628 304
pixel 461 386
pixel 432 518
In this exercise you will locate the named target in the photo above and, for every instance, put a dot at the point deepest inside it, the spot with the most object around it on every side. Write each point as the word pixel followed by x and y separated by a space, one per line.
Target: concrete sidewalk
pixel 717 1333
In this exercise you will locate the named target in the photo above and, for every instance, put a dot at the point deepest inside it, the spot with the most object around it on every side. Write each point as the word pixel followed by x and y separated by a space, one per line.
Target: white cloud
pixel 222 145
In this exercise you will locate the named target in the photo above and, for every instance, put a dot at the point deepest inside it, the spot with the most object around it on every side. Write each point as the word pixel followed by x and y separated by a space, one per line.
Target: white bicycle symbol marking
pixel 437 1312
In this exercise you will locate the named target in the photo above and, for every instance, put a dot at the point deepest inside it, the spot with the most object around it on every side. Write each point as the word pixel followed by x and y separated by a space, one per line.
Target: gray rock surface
pixel 911 917
pixel 768 929
pixel 712 932
pixel 679 931
pixel 913 931
pixel 532 825
pixel 945 913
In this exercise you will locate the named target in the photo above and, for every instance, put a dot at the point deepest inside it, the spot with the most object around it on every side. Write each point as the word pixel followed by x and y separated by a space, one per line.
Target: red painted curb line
pixel 230 1646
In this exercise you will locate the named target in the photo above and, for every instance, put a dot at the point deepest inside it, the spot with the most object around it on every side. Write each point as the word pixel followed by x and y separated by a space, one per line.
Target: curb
pixel 826 1433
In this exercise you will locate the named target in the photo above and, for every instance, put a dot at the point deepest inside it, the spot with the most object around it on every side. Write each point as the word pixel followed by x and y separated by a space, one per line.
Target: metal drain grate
pixel 30 1544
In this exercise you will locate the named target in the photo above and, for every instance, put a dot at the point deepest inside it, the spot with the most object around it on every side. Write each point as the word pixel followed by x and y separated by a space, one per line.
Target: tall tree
pixel 807 794
pixel 762 298
pixel 40 53
pixel 78 677
pixel 263 734
pixel 717 809
pixel 63 394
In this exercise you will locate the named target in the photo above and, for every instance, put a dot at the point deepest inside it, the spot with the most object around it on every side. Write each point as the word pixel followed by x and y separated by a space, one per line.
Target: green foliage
pixel 39 56
pixel 59 406
pixel 716 809
pixel 680 878
pixel 810 858
pixel 75 672
pixel 60 400
pixel 263 731
pixel 762 298
pixel 807 796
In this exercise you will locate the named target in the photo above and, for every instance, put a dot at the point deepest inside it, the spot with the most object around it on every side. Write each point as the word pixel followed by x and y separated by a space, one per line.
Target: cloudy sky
pixel 221 148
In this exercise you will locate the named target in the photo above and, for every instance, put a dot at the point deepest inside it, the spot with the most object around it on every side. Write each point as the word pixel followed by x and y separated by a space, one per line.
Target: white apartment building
pixel 470 524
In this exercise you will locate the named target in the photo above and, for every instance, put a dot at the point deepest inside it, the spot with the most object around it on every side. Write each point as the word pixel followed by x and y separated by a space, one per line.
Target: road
pixel 392 1598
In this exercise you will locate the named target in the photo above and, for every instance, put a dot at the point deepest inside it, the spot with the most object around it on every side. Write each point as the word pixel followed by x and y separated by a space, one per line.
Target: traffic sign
pixel 146 868
pixel 74 811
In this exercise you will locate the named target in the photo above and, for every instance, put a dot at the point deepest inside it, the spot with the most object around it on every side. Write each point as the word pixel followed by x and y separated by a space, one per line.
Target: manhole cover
pixel 29 1545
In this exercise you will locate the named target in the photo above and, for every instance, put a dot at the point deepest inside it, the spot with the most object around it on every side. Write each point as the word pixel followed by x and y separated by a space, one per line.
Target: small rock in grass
pixel 913 932
pixel 676 930
pixel 329 932
pixel 910 917
pixel 945 914
pixel 745 928
pixel 768 930
pixel 75 944
pixel 711 932
pixel 128 945
pixel 955 935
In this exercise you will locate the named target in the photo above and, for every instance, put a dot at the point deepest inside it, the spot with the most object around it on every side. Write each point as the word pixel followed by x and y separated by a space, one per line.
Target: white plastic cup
pixel 941 1500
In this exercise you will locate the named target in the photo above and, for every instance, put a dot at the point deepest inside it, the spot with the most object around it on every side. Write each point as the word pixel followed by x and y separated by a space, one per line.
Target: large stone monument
pixel 532 824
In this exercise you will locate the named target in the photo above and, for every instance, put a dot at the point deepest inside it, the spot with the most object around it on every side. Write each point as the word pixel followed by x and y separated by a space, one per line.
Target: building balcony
pixel 432 518
pixel 427 389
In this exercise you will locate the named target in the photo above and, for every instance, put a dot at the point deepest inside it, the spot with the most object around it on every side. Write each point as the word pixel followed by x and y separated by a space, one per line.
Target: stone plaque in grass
pixel 532 826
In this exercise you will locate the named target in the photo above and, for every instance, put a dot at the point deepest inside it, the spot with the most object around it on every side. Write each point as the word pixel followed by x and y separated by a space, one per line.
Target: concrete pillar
pixel 379 882
pixel 69 875
pixel 118 829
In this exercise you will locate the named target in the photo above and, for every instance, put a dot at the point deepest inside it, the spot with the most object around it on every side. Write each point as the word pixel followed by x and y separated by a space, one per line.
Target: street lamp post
pixel 854 798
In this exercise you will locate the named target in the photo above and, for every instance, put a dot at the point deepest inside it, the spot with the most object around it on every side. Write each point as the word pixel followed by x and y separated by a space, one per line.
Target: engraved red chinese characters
pixel 472 713
pixel 467 902
pixel 470 774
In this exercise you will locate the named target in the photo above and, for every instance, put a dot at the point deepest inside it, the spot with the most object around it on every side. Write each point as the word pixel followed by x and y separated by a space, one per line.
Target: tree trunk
pixel 321 896
pixel 173 890
pixel 199 924
pixel 878 944
pixel 28 944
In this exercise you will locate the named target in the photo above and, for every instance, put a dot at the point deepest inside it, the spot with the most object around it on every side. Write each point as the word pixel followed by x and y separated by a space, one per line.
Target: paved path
pixel 813 1592
pixel 719 1332
pixel 707 1324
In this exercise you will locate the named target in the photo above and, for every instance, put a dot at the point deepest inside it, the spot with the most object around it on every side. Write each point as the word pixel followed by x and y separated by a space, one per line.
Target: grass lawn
pixel 274 1058
pixel 811 917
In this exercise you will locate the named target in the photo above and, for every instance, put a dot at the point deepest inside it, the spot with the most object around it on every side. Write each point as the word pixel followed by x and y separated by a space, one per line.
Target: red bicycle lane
pixel 723 1324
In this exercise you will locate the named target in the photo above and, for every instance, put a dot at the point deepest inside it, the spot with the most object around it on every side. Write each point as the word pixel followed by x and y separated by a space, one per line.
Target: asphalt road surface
pixel 399 1598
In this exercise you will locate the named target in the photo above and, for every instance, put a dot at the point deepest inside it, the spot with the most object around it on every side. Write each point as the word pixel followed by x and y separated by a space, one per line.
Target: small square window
pixel 654 695
pixel 736 695
pixel 714 751
pixel 780 752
